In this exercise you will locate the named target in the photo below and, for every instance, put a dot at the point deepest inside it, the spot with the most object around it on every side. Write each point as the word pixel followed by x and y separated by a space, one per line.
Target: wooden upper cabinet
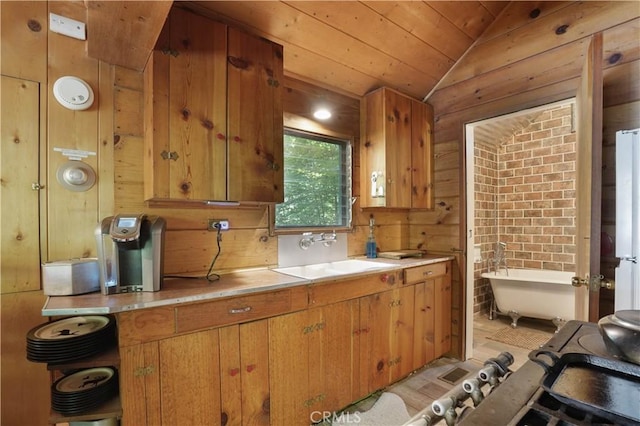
pixel 213 114
pixel 422 155
pixel 255 136
pixel 397 153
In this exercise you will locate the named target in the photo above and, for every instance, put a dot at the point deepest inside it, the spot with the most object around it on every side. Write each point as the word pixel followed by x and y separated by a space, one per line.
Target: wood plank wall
pixel 113 129
pixel 518 63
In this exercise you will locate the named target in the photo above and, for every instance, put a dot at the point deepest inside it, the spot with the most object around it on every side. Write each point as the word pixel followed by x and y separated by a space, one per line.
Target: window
pixel 317 182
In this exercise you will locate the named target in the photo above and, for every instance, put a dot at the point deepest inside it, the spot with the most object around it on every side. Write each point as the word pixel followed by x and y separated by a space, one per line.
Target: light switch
pixel 477 253
pixel 67 26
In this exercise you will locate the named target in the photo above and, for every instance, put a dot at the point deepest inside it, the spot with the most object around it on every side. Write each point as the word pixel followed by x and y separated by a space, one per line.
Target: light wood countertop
pixel 177 291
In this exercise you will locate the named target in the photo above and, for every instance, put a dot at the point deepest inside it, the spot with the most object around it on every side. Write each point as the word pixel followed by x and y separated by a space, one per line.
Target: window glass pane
pixel 317 182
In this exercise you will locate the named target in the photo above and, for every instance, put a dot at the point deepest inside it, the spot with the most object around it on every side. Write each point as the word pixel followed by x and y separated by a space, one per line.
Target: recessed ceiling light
pixel 322 114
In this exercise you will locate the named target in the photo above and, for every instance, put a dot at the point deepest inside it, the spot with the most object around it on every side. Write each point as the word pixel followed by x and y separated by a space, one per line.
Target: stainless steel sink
pixel 330 269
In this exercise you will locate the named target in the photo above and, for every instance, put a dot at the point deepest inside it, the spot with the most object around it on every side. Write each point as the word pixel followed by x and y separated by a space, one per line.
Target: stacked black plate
pixel 84 390
pixel 70 339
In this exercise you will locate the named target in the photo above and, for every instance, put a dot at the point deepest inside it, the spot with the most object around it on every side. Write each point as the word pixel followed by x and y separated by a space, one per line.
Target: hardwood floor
pixel 423 387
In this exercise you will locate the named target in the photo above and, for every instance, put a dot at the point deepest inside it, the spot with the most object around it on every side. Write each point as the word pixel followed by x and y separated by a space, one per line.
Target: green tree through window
pixel 317 182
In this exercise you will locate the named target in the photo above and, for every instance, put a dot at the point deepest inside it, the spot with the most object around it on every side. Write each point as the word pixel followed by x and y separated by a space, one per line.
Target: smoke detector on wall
pixel 73 93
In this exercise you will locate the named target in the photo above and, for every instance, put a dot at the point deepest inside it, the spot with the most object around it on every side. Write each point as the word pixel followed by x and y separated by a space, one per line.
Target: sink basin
pixel 330 269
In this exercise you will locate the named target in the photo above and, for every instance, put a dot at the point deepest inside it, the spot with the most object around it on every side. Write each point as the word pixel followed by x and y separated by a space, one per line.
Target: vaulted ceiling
pixel 358 46
pixel 499 56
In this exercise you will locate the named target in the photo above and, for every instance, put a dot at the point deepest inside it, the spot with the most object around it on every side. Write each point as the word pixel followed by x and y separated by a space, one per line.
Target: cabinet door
pixel 397 113
pixel 189 379
pixel 387 347
pixel 289 368
pixel 197 107
pixel 185 110
pixel 244 374
pixel 421 155
pixel 255 137
pixel 333 345
pixel 442 326
pixel 423 331
pixel 254 367
pixel 139 377
pixel 402 323
pixel 386 151
pixel 313 362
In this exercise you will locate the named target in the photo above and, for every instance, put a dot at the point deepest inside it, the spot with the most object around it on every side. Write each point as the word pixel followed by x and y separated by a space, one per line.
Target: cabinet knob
pixel 221 136
pixel 237 139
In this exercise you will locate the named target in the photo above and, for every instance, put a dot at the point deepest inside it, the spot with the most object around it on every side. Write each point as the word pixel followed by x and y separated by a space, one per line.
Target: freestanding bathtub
pixel 534 293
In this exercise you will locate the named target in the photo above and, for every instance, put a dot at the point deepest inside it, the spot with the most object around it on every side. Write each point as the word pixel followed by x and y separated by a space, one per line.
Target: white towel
pixel 389 410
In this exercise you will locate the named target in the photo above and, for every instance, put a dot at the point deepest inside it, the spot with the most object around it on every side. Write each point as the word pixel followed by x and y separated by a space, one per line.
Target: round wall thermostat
pixel 73 93
pixel 76 176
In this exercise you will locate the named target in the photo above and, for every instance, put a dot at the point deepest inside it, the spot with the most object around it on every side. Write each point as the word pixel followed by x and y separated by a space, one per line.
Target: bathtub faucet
pixel 499 257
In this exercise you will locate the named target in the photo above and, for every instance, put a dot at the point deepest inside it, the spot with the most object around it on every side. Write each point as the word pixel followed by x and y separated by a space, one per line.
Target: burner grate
pixel 544 409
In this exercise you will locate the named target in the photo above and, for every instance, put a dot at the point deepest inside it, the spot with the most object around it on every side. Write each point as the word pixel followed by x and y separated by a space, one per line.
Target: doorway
pixel 520 190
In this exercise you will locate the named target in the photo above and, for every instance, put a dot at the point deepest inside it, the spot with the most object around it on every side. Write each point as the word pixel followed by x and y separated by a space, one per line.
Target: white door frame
pixel 470 213
pixel 469 235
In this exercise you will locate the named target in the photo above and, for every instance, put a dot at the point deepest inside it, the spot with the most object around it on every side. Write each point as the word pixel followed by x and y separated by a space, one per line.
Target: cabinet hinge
pixel 394 361
pixel 313 327
pixel 144 371
pixel 311 401
pixel 169 155
pixel 169 51
pixel 273 82
pixel 394 303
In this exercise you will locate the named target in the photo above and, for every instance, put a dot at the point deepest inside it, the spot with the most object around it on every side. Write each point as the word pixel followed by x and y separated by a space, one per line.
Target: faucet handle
pixel 328 240
pixel 306 241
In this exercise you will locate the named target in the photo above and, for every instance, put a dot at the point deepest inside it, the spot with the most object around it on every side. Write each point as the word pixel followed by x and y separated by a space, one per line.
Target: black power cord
pixel 210 276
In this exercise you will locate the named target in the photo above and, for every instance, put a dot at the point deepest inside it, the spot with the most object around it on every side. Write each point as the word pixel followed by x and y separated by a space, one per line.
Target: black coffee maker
pixel 130 253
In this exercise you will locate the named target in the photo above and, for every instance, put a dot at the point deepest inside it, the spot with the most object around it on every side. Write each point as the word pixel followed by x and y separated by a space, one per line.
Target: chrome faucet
pixel 499 257
pixel 308 239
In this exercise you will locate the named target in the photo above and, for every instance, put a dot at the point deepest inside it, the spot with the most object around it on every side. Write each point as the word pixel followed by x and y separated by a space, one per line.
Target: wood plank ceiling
pixel 455 55
pixel 358 46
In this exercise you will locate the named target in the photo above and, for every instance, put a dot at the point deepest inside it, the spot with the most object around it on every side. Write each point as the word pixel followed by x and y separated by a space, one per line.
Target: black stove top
pixel 522 398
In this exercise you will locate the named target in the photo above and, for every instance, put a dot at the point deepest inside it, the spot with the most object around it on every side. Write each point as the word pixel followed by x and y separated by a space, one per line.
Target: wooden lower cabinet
pixel 171 381
pixel 432 332
pixel 244 374
pixel 424 325
pixel 442 317
pixel 287 369
pixel 312 362
pixel 386 340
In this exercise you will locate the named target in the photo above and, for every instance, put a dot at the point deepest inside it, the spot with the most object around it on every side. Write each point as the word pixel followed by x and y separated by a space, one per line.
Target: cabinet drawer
pixel 426 272
pixel 325 293
pixel 239 309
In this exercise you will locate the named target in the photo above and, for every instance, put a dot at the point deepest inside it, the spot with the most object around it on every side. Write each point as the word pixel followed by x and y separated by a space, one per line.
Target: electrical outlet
pixel 214 223
pixel 67 26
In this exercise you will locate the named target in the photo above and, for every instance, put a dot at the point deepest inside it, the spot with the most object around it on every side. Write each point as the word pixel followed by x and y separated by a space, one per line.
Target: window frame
pixel 348 142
